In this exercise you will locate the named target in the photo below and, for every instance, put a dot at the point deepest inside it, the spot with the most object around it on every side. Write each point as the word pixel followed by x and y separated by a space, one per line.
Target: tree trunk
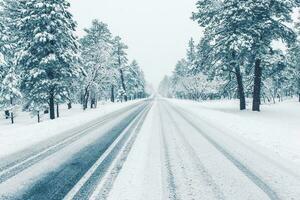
pixel 12 117
pixel 69 105
pixel 38 116
pixel 299 96
pixel 241 91
pixel 12 113
pixel 257 86
pixel 112 97
pixel 123 84
pixel 93 103
pixel 52 107
pixel 6 114
pixel 57 110
pixel 85 99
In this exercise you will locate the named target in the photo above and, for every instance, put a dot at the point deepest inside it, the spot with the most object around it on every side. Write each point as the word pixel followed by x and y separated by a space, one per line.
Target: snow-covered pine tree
pixel 204 58
pixel 191 54
pixel 270 20
pixel 96 58
pixel 276 76
pixel 294 66
pixel 135 81
pixel 48 55
pixel 224 24
pixel 120 62
pixel 295 61
pixel 10 95
pixel 239 27
pixel 181 71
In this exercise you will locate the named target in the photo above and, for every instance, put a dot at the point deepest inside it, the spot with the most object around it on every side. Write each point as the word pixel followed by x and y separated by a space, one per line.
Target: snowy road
pixel 189 158
pixel 151 150
pixel 52 169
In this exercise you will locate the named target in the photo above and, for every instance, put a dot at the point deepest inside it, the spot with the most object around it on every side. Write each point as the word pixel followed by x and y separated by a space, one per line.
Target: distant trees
pixel 190 79
pixel 135 81
pixel 43 64
pixel 237 51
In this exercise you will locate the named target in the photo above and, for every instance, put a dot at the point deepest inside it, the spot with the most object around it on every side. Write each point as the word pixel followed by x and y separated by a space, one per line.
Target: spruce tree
pixel 135 81
pixel 10 95
pixel 10 92
pixel 191 54
pixel 47 58
pixel 120 62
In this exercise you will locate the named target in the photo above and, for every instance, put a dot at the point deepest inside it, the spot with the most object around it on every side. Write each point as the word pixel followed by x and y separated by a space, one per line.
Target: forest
pixel 250 50
pixel 43 64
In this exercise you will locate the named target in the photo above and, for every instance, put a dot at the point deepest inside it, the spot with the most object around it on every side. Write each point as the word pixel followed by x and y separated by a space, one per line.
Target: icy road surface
pixel 151 150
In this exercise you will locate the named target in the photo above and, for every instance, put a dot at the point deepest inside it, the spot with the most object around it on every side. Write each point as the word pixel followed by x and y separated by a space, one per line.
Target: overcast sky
pixel 156 31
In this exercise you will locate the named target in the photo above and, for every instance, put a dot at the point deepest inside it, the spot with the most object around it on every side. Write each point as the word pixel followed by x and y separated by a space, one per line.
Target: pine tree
pixel 48 56
pixel 294 61
pixel 10 92
pixel 191 54
pixel 10 95
pixel 96 58
pixel 135 81
pixel 224 26
pixel 242 32
pixel 120 61
pixel 267 28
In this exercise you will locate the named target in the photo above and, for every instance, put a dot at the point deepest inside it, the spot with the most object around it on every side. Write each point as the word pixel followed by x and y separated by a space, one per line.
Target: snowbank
pixel 277 127
pixel 27 132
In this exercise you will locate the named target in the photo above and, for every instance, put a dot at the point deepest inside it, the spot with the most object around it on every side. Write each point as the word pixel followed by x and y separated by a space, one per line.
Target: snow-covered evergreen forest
pixel 43 64
pixel 250 50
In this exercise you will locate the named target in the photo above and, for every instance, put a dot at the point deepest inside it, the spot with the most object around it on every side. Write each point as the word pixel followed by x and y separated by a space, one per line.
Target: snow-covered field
pixel 277 127
pixel 27 132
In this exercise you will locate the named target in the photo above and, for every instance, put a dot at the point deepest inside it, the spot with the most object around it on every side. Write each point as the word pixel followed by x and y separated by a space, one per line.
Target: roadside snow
pixel 27 132
pixel 277 127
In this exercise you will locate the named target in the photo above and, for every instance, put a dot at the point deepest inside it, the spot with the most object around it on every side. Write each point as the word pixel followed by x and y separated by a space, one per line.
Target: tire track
pixel 171 186
pixel 13 168
pixel 103 190
pixel 57 183
pixel 243 168
pixel 196 161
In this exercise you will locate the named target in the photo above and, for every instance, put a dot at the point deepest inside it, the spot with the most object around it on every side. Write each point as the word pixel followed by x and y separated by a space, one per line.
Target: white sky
pixel 156 31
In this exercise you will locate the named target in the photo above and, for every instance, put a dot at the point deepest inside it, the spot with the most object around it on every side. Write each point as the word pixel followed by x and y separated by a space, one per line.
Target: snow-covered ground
pixel 229 155
pixel 277 127
pixel 27 132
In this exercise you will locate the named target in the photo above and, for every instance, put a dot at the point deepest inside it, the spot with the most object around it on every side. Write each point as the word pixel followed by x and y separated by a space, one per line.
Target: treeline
pixel 43 64
pixel 237 56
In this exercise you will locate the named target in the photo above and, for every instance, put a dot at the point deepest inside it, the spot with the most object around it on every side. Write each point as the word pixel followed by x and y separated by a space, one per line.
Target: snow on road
pixel 179 155
pixel 140 177
pixel 187 150
pixel 54 175
pixel 26 131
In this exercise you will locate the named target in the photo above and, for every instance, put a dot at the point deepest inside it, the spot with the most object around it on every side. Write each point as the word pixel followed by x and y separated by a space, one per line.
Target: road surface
pixel 150 150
